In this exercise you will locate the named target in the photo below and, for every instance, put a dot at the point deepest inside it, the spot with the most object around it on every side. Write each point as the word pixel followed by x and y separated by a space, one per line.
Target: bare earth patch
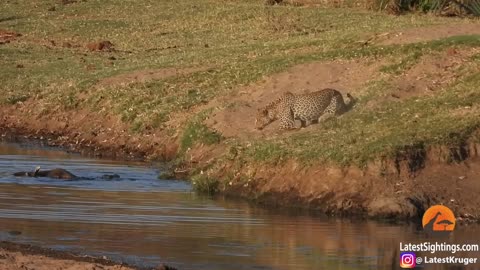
pixel 237 119
pixel 105 45
pixel 429 33
pixel 16 256
pixel 142 76
pixel 431 74
pixel 7 36
pixel 19 261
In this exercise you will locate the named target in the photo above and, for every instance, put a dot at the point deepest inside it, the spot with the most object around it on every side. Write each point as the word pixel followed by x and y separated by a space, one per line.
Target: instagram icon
pixel 407 260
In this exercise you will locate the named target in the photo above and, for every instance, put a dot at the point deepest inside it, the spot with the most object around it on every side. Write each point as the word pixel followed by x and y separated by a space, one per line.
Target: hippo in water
pixel 55 173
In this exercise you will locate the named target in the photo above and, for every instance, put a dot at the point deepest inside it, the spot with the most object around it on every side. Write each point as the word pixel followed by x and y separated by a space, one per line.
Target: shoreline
pixel 50 139
pixel 22 256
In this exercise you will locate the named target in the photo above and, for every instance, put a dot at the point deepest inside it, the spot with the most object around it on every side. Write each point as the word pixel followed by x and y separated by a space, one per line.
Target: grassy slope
pixel 367 133
pixel 240 41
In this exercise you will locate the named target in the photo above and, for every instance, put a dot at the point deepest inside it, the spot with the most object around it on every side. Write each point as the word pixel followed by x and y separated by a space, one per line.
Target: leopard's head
pixel 263 118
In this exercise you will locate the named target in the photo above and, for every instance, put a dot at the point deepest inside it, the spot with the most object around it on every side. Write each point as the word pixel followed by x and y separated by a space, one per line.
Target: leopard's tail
pixel 351 102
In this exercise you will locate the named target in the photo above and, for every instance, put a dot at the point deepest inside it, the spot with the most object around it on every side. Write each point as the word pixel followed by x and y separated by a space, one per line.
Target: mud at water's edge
pixel 87 133
pixel 25 256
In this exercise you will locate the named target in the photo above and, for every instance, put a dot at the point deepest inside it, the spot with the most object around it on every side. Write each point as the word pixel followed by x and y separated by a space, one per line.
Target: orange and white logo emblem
pixel 438 218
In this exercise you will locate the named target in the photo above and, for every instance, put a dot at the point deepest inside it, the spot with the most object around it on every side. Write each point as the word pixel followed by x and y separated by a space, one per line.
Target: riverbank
pixel 181 93
pixel 22 256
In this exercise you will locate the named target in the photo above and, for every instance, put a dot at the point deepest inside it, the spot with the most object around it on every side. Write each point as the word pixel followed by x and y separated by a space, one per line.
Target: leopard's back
pixel 311 106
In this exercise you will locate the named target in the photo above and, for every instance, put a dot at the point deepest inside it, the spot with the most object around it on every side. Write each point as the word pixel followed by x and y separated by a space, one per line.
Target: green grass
pixel 205 184
pixel 469 7
pixel 405 62
pixel 248 42
pixel 197 132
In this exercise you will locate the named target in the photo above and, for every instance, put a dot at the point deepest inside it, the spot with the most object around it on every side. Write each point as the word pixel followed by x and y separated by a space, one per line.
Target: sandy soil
pixel 7 36
pixel 238 120
pixel 431 74
pixel 143 76
pixel 15 256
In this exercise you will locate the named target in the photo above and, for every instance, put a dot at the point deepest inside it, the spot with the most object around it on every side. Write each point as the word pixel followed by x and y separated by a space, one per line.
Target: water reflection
pixel 142 220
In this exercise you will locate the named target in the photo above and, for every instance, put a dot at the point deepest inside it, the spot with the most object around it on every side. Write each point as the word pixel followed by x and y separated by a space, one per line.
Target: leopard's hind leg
pixel 336 107
pixel 287 120
pixel 325 116
pixel 305 123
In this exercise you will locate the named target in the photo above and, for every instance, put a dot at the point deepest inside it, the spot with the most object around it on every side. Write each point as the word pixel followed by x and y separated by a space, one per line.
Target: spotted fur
pixel 310 107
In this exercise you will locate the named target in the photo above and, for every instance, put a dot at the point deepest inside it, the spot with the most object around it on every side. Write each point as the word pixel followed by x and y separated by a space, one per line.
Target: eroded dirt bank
pixel 402 188
pixel 85 132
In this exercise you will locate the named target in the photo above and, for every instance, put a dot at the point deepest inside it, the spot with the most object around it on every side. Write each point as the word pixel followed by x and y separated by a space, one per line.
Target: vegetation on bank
pixel 437 7
pixel 50 66
pixel 196 132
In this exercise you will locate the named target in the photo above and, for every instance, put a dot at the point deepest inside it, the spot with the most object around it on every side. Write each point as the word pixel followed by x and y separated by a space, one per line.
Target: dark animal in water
pixel 55 173
pixel 110 176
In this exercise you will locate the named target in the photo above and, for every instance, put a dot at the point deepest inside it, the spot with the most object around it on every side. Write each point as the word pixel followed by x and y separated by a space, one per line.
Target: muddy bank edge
pixel 398 187
pixel 23 256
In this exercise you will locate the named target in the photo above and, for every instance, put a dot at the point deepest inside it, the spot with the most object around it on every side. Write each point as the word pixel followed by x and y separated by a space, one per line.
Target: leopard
pixel 309 108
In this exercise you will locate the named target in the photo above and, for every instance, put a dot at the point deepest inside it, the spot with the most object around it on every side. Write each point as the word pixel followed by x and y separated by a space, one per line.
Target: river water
pixel 142 220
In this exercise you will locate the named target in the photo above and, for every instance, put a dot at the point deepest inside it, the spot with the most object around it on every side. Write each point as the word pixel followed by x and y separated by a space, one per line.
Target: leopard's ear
pixel 263 111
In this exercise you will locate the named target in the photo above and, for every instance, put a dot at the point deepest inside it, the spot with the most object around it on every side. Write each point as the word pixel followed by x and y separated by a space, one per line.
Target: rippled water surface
pixel 142 220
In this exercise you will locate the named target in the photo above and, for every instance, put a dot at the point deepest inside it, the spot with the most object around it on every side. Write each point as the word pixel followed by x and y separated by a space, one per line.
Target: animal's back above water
pixel 308 108
pixel 55 173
